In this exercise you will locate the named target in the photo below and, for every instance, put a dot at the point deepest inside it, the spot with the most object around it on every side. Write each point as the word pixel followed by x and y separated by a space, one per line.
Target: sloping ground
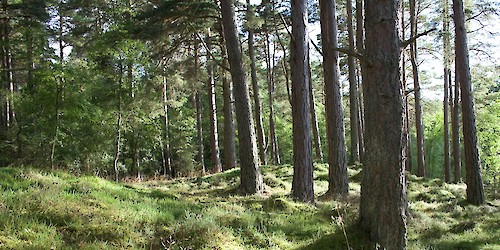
pixel 41 210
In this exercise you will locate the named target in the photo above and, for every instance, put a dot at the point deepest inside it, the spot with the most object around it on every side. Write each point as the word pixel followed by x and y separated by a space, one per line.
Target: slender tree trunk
pixel 251 177
pixel 455 129
pixel 285 69
pixel 273 141
pixel 474 181
pixel 446 101
pixel 199 110
pixel 166 161
pixel 214 134
pixel 59 80
pixel 118 144
pixel 406 125
pixel 302 184
pixel 338 180
pixel 360 46
pixel 255 89
pixel 353 89
pixel 383 188
pixel 422 169
pixel 229 130
pixel 315 127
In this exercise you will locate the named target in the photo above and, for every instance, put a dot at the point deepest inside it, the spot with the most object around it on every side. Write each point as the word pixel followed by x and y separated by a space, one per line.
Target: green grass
pixel 44 210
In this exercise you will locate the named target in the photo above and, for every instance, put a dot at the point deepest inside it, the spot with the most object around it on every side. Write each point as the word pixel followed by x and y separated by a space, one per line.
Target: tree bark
pixel 383 188
pixel 251 178
pixel 353 89
pixel 255 89
pixel 338 180
pixel 475 191
pixel 214 134
pixel 302 184
pixel 118 139
pixel 419 124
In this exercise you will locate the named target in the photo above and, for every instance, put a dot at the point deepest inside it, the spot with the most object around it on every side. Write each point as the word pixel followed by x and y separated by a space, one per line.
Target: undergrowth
pixel 55 210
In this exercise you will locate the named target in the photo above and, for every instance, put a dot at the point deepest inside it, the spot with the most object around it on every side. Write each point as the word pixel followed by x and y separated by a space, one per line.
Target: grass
pixel 55 210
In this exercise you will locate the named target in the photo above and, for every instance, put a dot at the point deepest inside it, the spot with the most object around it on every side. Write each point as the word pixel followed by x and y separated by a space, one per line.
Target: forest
pixel 256 124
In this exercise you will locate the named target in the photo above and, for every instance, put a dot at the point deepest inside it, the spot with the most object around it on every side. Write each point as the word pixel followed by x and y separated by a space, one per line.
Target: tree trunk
pixel 166 161
pixel 353 89
pixel 229 134
pixel 251 178
pixel 255 89
pixel 406 124
pixel 199 110
pixel 214 134
pixel 118 144
pixel 475 192
pixel 361 77
pixel 422 169
pixel 302 184
pixel 455 130
pixel 315 128
pixel 446 101
pixel 383 188
pixel 273 141
pixel 338 180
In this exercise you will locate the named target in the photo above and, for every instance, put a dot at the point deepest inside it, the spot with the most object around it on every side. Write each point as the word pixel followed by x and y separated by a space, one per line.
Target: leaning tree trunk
pixel 383 188
pixel 255 88
pixel 302 184
pixel 353 89
pixel 422 170
pixel 251 178
pixel 214 134
pixel 337 176
pixel 474 181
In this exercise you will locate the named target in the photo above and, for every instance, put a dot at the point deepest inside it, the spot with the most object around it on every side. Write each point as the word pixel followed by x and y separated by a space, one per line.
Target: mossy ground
pixel 55 210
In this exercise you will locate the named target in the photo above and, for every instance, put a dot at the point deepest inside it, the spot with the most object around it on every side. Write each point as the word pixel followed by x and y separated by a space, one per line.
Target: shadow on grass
pixel 353 238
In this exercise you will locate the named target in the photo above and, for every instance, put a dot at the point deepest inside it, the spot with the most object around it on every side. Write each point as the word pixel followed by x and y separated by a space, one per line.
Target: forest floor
pixel 55 210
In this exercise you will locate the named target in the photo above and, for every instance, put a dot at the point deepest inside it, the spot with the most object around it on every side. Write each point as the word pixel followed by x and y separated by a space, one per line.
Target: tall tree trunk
pixel 383 188
pixel 255 89
pixel 166 160
pixel 199 110
pixel 273 141
pixel 315 127
pixel 353 89
pixel 360 46
pixel 251 177
pixel 229 133
pixel 338 180
pixel 302 184
pixel 118 144
pixel 455 129
pixel 214 133
pixel 406 124
pixel 422 169
pixel 59 80
pixel 474 181
pixel 446 101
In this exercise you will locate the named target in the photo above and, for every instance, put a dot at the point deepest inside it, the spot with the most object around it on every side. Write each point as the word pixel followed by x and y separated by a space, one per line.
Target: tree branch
pixel 413 39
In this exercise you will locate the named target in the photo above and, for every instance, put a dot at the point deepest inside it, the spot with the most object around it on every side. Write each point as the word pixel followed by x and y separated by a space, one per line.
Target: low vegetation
pixel 42 210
